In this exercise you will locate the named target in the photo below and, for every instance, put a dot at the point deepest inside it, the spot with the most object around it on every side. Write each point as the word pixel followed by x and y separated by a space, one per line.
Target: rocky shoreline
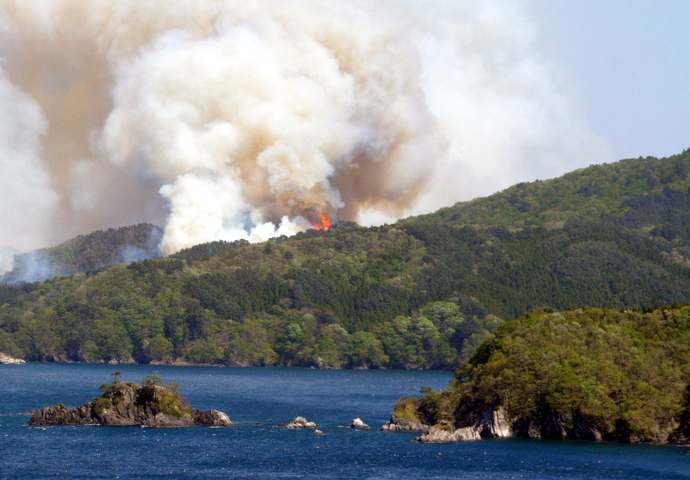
pixel 8 360
pixel 495 423
pixel 492 424
pixel 397 424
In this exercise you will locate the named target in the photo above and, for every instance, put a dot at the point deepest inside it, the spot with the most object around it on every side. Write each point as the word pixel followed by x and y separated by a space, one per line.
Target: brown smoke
pixel 238 114
pixel 226 119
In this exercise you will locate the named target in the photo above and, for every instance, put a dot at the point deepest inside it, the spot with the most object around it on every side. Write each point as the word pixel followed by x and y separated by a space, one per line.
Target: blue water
pixel 258 398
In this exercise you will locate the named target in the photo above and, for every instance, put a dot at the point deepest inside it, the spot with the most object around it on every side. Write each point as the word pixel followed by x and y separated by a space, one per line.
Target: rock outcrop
pixel 447 434
pixel 7 360
pixel 358 423
pixel 300 422
pixel 493 423
pixel 128 404
pixel 318 432
pixel 397 424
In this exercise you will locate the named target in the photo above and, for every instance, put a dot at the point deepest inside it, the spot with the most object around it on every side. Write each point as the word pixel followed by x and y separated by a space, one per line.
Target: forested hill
pixel 87 253
pixel 422 293
pixel 614 235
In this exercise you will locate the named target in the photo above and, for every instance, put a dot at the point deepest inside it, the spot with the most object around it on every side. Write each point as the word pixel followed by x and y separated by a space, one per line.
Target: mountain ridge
pixel 421 293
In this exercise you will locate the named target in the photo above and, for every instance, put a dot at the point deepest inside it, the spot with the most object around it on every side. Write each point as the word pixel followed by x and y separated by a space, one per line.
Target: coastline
pixel 181 363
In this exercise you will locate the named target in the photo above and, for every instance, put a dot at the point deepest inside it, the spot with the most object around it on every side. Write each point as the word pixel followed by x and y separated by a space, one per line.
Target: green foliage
pixel 151 380
pixel 685 413
pixel 101 404
pixel 159 348
pixel 8 346
pixel 406 408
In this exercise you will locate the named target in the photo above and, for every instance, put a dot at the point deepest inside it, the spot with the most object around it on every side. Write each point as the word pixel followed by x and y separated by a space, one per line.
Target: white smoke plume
pixel 226 119
pixel 27 199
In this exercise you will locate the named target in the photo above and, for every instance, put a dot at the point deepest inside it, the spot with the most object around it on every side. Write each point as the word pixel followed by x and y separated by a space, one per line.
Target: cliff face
pixel 126 403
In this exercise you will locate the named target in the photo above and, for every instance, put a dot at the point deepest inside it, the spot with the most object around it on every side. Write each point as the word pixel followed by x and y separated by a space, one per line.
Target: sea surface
pixel 257 399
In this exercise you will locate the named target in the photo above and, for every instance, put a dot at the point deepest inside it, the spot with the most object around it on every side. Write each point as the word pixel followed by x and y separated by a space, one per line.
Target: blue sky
pixel 626 66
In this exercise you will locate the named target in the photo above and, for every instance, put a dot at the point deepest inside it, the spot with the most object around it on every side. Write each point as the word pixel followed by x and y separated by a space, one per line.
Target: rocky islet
pixel 129 404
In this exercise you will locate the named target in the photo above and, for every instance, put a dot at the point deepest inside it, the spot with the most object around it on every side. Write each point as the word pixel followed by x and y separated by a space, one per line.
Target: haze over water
pixel 256 399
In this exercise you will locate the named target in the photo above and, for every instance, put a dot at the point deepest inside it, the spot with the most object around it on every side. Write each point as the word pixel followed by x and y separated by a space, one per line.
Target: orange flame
pixel 326 222
pixel 324 225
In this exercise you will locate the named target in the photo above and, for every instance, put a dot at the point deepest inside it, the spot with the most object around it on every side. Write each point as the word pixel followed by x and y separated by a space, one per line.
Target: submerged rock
pixel 300 422
pixel 397 424
pixel 128 404
pixel 7 360
pixel 358 423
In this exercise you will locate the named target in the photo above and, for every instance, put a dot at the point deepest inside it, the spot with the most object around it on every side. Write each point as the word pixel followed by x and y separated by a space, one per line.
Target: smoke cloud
pixel 27 200
pixel 224 119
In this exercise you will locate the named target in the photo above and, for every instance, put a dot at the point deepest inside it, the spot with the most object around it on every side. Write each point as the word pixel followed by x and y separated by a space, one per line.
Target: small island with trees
pixel 595 374
pixel 129 404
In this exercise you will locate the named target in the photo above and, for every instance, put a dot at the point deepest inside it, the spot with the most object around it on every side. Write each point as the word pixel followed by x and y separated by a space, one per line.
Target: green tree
pixel 159 348
pixel 152 379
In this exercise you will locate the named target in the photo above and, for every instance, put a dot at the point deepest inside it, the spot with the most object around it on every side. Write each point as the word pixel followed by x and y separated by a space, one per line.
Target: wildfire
pixel 324 225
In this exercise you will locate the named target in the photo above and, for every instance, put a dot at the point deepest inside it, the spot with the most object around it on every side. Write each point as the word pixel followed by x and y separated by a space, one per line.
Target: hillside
pixel 612 235
pixel 87 253
pixel 599 191
pixel 422 293
pixel 594 374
